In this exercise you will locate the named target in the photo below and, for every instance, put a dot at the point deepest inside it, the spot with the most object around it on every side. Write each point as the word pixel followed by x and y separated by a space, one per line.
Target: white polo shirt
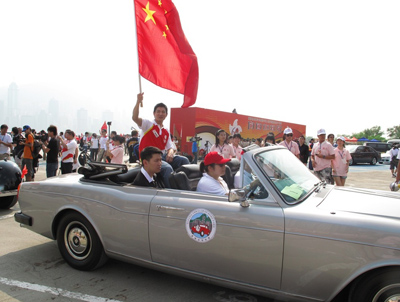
pixel 207 184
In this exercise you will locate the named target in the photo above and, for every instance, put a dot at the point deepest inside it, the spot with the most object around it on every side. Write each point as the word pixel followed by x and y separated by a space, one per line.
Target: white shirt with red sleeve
pixel 69 152
pixel 154 135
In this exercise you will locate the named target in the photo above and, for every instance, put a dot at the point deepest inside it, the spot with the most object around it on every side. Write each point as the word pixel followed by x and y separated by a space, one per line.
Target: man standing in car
pixel 154 134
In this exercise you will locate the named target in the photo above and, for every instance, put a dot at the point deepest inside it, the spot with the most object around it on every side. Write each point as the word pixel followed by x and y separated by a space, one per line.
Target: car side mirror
pixel 238 195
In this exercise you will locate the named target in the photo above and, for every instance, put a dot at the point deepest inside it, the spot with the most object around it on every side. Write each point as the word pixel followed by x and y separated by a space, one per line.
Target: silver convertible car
pixel 282 234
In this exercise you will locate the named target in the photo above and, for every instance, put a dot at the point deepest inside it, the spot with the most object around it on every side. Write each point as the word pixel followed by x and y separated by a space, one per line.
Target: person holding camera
pixel 27 158
pixel 51 149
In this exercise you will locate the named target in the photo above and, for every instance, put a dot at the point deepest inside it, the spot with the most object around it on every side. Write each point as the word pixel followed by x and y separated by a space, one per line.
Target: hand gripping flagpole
pixel 137 47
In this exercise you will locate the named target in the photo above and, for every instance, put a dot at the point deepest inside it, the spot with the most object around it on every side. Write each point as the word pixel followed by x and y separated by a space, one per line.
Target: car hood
pixel 361 216
pixel 363 201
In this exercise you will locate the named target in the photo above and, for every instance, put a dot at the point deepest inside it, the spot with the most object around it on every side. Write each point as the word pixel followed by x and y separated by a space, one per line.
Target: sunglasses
pixel 289 134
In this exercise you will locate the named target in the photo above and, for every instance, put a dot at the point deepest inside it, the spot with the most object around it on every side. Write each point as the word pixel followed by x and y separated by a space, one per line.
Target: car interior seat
pixel 232 167
pixel 189 180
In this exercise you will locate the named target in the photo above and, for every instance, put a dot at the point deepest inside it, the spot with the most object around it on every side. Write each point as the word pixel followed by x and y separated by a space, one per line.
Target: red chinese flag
pixel 104 127
pixel 165 56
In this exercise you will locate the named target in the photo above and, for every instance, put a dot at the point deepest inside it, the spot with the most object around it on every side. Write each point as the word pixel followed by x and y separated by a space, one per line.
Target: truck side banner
pixel 188 122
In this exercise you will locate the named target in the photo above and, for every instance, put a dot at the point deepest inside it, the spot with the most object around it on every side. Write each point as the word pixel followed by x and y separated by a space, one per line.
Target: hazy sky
pixel 325 64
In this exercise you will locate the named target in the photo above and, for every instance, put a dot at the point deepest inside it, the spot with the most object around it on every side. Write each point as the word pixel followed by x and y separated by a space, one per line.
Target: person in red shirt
pixel 154 134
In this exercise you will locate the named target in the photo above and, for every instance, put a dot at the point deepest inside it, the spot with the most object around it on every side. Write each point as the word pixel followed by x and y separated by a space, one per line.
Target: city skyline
pixel 26 106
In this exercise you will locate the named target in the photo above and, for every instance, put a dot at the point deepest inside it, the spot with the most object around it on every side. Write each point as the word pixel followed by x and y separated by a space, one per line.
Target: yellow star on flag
pixel 149 13
pixel 159 3
pixel 166 26
pixel 164 35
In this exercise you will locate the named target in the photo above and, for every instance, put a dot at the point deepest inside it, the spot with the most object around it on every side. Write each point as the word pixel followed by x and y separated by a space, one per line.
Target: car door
pixel 359 155
pixel 207 234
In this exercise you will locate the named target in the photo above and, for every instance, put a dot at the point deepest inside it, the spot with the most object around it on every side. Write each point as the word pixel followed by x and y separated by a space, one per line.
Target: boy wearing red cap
pixel 213 167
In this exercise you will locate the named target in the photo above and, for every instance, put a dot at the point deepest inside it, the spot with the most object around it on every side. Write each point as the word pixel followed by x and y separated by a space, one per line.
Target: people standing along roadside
pixel 5 142
pixel 27 159
pixel 18 149
pixel 51 148
pixel 102 144
pixel 321 156
pixel 94 147
pixel 303 150
pixel 221 145
pixel 310 147
pixel 393 159
pixel 270 139
pixel 236 145
pixel 69 146
pixel 340 164
pixel 289 143
pixel 116 154
pixel 154 134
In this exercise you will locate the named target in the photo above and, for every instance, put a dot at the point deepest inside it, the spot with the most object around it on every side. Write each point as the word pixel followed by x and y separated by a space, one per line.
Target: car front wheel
pixel 373 161
pixel 351 162
pixel 79 243
pixel 382 286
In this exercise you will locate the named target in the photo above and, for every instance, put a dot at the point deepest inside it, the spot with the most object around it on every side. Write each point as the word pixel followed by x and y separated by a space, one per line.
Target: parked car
pixel 363 154
pixel 10 178
pixel 385 158
pixel 379 146
pixel 285 234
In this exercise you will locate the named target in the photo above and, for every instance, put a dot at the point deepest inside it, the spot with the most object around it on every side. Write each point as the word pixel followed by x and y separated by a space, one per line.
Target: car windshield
pixel 288 174
pixel 351 148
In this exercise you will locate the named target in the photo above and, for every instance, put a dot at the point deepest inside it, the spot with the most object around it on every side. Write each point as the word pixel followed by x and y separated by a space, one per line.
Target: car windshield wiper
pixel 318 185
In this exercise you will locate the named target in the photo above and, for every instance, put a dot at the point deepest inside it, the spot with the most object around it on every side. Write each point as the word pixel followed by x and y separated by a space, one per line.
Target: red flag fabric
pixel 165 56
pixel 104 127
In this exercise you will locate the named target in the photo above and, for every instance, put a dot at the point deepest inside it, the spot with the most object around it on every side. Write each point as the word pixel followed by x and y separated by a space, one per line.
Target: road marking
pixel 55 291
pixel 6 216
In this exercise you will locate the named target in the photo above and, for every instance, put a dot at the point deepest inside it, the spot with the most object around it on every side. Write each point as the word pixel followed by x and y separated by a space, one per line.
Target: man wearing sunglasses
pixel 289 143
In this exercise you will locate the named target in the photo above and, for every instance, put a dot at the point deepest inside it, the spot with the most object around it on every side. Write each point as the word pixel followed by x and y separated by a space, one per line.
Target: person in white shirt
pixel 94 147
pixel 236 145
pixel 102 142
pixel 69 146
pixel 5 142
pixel 213 167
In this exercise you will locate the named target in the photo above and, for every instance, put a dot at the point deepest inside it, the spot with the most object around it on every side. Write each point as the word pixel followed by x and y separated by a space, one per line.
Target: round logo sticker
pixel 201 225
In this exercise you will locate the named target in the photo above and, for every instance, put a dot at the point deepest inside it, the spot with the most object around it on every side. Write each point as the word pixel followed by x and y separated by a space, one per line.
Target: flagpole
pixel 137 47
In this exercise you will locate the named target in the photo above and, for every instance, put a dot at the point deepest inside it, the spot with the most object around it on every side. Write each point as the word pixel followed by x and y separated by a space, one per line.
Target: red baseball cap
pixel 215 158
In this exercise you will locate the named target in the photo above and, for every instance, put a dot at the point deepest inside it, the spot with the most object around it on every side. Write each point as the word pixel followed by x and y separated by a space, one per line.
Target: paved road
pixel 31 268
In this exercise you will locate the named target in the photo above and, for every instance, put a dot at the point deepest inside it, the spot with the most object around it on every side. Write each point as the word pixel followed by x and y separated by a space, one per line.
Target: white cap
pixel 341 138
pixel 287 131
pixel 321 131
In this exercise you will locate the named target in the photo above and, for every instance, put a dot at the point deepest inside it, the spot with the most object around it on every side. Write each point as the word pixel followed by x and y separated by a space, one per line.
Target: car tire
pixel 79 244
pixel 8 202
pixel 379 286
pixel 351 162
pixel 373 161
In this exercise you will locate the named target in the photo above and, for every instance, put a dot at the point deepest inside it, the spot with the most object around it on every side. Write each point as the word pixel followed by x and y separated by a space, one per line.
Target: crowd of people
pixel 328 159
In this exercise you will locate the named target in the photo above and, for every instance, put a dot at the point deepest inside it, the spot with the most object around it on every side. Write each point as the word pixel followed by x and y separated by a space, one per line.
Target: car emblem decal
pixel 201 225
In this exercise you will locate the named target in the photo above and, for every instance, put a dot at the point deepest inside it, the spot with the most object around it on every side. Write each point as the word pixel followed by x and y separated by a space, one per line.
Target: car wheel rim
pixel 77 240
pixel 393 297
